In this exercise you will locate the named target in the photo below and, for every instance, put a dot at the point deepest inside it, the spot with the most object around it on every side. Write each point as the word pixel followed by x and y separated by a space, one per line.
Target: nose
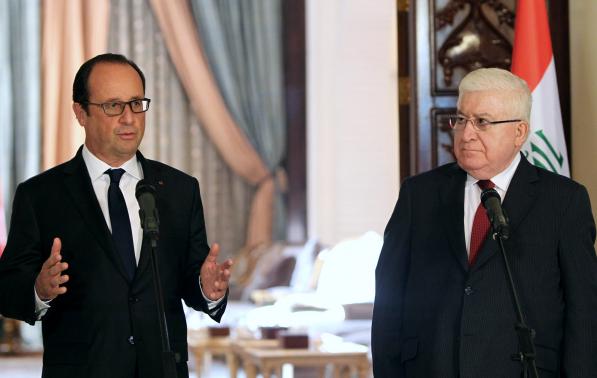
pixel 469 132
pixel 127 115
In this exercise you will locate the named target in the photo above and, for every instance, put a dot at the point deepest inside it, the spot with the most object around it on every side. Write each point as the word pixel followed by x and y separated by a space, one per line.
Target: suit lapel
pixel 79 187
pixel 452 210
pixel 521 193
pixel 151 176
pixel 517 203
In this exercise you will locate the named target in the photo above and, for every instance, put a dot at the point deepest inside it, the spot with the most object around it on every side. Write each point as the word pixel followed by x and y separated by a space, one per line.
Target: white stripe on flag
pixel 545 146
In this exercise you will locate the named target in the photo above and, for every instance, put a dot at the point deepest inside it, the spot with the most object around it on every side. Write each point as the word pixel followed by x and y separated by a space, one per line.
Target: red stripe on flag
pixel 532 43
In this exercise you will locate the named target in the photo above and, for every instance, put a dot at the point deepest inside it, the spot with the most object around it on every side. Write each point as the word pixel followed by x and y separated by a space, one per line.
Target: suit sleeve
pixel 198 251
pixel 578 264
pixel 21 262
pixel 390 280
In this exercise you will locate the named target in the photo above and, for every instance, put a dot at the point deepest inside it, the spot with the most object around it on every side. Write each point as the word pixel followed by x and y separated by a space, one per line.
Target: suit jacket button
pixel 131 340
pixel 133 299
pixel 468 290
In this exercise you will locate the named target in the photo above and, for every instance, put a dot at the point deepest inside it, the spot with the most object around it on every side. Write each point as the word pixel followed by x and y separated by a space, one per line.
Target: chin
pixel 470 165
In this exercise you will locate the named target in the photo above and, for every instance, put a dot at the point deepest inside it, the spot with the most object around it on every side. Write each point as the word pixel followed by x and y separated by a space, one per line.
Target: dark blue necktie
pixel 121 225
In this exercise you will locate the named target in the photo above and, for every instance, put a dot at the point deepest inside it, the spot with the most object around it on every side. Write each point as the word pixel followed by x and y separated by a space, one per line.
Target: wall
pixel 583 57
pixel 352 116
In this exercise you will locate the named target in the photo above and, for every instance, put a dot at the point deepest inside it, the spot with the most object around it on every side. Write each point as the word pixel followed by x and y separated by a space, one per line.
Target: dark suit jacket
pixel 436 317
pixel 104 325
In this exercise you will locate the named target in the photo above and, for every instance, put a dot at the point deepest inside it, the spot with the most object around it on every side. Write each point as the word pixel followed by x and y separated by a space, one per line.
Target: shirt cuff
pixel 41 307
pixel 210 304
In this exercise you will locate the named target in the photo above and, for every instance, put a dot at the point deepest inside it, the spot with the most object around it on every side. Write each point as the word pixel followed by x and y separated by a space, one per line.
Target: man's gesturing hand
pixel 47 284
pixel 214 277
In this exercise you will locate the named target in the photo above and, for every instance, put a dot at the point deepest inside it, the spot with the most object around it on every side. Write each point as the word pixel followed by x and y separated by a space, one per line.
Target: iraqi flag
pixel 532 60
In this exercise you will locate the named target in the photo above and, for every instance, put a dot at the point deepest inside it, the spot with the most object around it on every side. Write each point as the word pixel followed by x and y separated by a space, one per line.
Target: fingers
pixel 224 270
pixel 227 264
pixel 57 268
pixel 56 281
pixel 50 278
pixel 56 246
pixel 214 252
pixel 214 276
pixel 55 255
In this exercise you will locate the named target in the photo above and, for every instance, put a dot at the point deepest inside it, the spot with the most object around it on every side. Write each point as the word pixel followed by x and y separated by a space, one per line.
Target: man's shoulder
pixel 547 179
pixel 48 177
pixel 164 171
pixel 436 175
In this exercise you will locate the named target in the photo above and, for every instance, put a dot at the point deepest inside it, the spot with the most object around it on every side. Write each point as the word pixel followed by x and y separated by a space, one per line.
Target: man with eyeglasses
pixel 75 257
pixel 443 307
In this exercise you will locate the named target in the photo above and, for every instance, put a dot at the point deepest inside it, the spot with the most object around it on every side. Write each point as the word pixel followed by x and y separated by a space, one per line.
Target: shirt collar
pixel 97 167
pixel 502 179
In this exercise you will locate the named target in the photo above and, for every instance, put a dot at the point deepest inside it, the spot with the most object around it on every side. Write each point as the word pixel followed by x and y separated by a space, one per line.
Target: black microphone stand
pixel 526 354
pixel 150 230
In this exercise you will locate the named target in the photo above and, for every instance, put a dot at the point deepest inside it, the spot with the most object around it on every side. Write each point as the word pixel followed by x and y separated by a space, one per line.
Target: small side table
pixel 269 358
pixel 204 346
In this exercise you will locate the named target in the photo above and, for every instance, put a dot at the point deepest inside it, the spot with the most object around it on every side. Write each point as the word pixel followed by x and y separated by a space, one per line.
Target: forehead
pixel 484 102
pixel 114 81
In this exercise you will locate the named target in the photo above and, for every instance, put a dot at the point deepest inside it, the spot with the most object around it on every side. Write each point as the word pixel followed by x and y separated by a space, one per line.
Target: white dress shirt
pixel 472 196
pixel 101 182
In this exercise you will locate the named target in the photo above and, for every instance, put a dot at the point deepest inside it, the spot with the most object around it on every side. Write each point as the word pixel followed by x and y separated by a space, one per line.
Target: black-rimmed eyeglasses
pixel 115 108
pixel 458 122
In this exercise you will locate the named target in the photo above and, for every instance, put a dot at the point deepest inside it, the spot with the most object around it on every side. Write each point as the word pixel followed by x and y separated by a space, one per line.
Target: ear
pixel 522 132
pixel 80 113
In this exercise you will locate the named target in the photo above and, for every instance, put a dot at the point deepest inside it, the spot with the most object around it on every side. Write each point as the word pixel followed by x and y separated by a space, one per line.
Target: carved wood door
pixel 439 41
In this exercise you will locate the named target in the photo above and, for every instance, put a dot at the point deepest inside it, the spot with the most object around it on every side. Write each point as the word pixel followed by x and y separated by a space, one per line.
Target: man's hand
pixel 48 281
pixel 214 277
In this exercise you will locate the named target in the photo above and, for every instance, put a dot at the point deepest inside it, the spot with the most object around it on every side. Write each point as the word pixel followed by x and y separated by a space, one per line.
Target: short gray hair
pixel 497 79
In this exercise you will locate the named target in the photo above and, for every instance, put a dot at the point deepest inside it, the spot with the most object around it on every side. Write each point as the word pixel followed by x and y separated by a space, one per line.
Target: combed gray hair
pixel 497 79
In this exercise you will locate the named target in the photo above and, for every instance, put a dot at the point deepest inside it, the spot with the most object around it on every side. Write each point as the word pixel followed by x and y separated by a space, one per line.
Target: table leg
pixel 336 371
pixel 268 369
pixel 232 364
pixel 363 369
pixel 250 370
pixel 321 371
pixel 346 371
pixel 199 357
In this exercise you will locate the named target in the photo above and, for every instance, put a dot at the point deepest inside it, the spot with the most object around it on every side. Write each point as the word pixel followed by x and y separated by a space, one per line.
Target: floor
pixel 30 367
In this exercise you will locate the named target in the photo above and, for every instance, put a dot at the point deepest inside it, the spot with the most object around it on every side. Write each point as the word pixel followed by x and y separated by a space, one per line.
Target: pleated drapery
pixel 173 134
pixel 19 94
pixel 72 32
pixel 242 41
pixel 181 36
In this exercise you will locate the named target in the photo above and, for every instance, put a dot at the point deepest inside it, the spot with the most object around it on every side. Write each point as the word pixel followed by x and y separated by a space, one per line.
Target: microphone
pixel 148 213
pixel 493 205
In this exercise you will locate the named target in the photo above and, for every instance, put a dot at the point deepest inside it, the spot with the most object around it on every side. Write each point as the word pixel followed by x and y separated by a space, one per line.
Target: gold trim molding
pixel 403 90
pixel 402 5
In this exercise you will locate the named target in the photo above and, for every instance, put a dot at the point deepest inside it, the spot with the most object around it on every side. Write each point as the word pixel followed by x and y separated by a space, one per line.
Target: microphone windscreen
pixel 143 187
pixel 489 193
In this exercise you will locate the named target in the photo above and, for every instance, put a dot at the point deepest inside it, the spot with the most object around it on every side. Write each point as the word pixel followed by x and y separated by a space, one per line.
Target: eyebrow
pixel 117 99
pixel 481 115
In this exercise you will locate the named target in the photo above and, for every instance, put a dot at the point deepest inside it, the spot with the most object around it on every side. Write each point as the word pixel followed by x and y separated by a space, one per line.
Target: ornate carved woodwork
pixel 446 40
pixel 474 39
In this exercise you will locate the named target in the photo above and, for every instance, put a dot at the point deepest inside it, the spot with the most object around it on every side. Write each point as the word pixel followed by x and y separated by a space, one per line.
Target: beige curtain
pixel 180 34
pixel 173 134
pixel 72 32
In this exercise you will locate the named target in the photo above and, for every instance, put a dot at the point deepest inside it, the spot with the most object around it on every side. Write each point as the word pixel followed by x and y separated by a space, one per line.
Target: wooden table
pixel 267 357
pixel 204 347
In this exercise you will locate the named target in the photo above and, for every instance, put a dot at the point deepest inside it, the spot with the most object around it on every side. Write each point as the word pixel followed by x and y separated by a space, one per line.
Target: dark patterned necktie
pixel 480 225
pixel 121 224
